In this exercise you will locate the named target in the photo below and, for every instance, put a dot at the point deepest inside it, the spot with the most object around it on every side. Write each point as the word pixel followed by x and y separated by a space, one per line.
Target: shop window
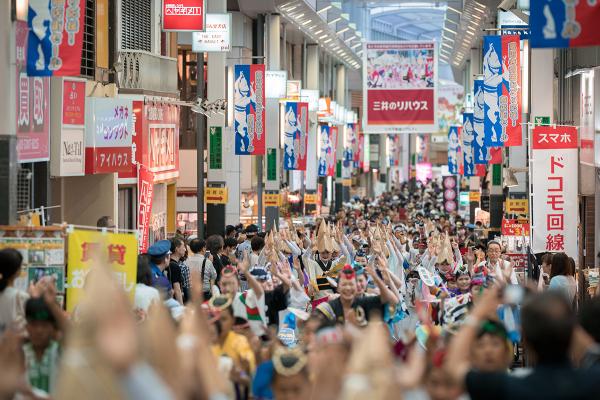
pixel 127 207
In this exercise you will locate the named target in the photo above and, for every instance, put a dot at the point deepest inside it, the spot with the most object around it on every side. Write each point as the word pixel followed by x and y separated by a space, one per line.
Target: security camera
pixel 506 5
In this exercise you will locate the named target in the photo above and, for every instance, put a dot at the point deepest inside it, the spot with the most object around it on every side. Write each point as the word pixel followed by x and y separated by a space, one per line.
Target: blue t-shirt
pixel 160 281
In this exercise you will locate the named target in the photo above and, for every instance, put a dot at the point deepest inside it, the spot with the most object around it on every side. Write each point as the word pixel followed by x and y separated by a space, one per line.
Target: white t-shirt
pixel 145 296
pixel 195 262
pixel 12 308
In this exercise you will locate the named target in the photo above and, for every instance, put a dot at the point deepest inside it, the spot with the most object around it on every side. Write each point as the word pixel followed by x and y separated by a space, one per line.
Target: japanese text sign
pixel 161 153
pixel 73 104
pixel 109 128
pixel 183 15
pixel 92 249
pixel 216 195
pixel 33 106
pixel 55 37
pixel 400 86
pixel 515 227
pixel 249 109
pixel 145 196
pixel 217 37
pixel 554 176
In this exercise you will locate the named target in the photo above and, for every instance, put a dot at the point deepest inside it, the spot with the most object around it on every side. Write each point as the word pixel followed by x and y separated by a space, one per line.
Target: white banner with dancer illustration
pixel 400 86
pixel 249 106
pixel 295 136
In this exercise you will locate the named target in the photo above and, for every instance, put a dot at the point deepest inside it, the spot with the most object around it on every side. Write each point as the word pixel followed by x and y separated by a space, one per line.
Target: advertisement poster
pixel 451 97
pixel 515 227
pixel 216 37
pixel 183 15
pixel 88 249
pixel 561 23
pixel 295 136
pixel 327 149
pixel 249 109
pixel 502 90
pixel 160 152
pixel 145 195
pixel 73 105
pixel 400 89
pixel 554 199
pixel 453 149
pixel 55 37
pixel 42 256
pixel 109 128
pixel 33 116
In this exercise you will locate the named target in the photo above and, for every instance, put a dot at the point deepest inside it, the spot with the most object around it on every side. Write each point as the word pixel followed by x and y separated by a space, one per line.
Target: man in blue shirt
pixel 160 253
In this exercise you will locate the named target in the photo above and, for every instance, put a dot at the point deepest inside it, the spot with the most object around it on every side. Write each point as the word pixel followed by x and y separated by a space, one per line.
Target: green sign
pixel 271 164
pixel 537 121
pixel 338 169
pixel 497 175
pixel 215 159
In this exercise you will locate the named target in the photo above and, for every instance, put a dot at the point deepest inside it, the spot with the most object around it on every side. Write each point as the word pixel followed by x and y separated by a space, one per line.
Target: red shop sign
pixel 183 15
pixel 515 227
pixel 73 108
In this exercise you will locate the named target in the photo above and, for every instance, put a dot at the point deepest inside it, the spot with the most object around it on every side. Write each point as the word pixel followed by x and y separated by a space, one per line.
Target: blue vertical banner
pixel 248 109
pixel 493 80
pixel 480 150
pixel 453 146
pixel 564 23
pixel 467 145
pixel 325 149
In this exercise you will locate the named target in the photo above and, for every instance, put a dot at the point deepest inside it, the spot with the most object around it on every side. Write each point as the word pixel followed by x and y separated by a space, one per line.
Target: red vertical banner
pixel 332 160
pixel 302 137
pixel 145 193
pixel 73 107
pixel 510 100
pixel 33 118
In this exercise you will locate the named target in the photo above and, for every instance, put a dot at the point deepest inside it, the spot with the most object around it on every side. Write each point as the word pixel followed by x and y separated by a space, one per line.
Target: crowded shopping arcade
pixel 299 199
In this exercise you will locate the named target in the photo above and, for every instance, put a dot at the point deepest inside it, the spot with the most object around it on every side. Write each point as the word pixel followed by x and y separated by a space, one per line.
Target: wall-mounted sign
pixel 275 84
pixel 215 158
pixel 517 206
pixel 214 195
pixel 311 97
pixel 109 127
pixel 216 37
pixel 162 150
pixel 310 198
pixel 183 15
pixel 73 105
pixel 272 200
pixel 72 154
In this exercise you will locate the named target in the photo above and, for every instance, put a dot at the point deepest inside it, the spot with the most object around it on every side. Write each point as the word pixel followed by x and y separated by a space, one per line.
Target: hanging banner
pixel 400 89
pixel 562 23
pixel 353 143
pixel 424 172
pixel 586 118
pixel 502 91
pixel 554 199
pixel 326 150
pixel 108 131
pixel 451 98
pixel 295 141
pixel 145 195
pixel 360 152
pixel 453 145
pixel 331 161
pixel 467 145
pixel 183 15
pixel 515 227
pixel 450 186
pixel 480 150
pixel 33 115
pixel 249 109
pixel 91 249
pixel 55 37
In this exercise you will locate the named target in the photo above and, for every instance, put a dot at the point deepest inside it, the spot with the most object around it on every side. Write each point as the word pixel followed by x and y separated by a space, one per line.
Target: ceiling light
pixel 449 30
pixel 324 9
pixel 308 21
pixel 343 30
pixel 298 16
pixel 323 36
pixel 327 41
pixel 335 20
pixel 290 8
pixel 319 31
pixel 351 38
pixel 447 38
pixel 355 46
pixel 449 20
pixel 453 9
pixel 447 45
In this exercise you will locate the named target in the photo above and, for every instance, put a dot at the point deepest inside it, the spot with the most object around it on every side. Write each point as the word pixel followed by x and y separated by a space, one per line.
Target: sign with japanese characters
pixel 515 227
pixel 272 199
pixel 161 151
pixel 55 37
pixel 183 15
pixel 271 164
pixel 215 155
pixel 108 132
pixel 217 37
pixel 33 117
pixel 216 195
pixel 400 86
pixel 554 198
pixel 501 91
pixel 450 187
pixel 295 140
pixel 481 152
pixel 73 103
pixel 562 23
pixel 89 249
pixel 517 206
pixel 145 196
pixel 249 109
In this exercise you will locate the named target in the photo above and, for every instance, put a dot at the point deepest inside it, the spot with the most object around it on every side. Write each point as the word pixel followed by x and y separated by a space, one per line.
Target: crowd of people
pixel 390 298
